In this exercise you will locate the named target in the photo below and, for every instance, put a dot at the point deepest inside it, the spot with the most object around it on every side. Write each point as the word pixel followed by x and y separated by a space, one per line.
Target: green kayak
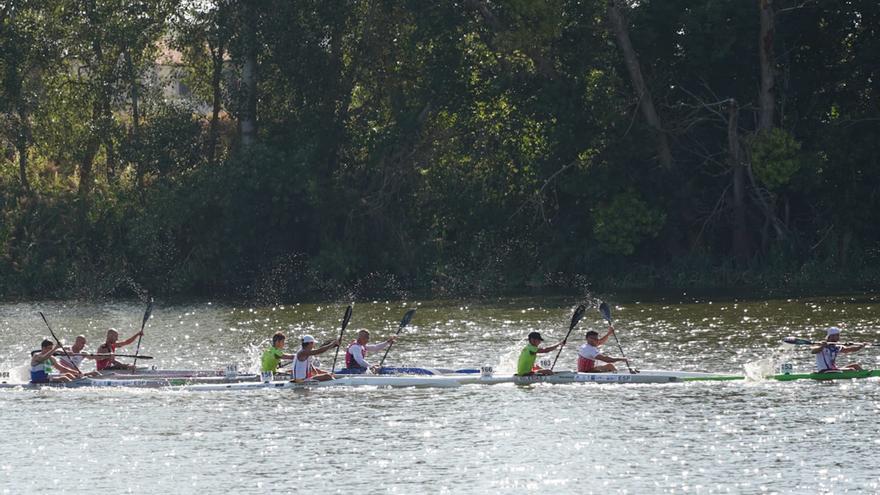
pixel 829 375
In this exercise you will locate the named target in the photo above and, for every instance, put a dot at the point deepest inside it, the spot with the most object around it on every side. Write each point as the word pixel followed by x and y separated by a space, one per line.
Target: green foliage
pixel 624 222
pixel 775 159
pixel 457 147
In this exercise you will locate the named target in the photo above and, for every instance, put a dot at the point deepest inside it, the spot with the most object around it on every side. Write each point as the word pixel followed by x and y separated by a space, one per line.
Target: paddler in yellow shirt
pixel 526 364
pixel 274 354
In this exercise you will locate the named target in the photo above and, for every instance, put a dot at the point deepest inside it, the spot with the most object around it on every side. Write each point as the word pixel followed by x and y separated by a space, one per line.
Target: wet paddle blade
pixel 606 311
pixel 796 341
pixel 576 317
pixel 407 318
pixel 147 314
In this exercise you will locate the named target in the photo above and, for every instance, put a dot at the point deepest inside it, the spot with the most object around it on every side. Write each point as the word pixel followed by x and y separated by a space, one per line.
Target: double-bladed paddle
pixel 147 314
pixel 345 320
pixel 141 356
pixel 800 341
pixel 404 322
pixel 575 318
pixel 606 313
pixel 69 359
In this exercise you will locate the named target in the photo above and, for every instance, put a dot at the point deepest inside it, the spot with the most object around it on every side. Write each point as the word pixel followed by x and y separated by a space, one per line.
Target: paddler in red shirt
pixel 109 347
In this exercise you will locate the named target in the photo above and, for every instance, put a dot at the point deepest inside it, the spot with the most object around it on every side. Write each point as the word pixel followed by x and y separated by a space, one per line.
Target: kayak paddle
pixel 404 322
pixel 345 320
pixel 606 313
pixel 800 341
pixel 147 314
pixel 110 355
pixel 69 359
pixel 575 318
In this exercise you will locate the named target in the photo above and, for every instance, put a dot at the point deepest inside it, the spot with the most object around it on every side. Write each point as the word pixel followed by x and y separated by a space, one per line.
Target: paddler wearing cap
pixel 356 354
pixel 826 352
pixel 303 369
pixel 526 364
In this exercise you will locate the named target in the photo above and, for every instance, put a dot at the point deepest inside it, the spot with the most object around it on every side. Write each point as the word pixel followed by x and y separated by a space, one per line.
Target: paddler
pixel 526 364
pixel 356 354
pixel 303 368
pixel 274 354
pixel 42 363
pixel 77 355
pixel 109 347
pixel 589 354
pixel 826 352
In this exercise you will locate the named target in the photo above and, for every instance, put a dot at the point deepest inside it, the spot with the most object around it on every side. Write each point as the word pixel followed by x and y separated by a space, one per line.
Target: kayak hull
pixel 830 375
pixel 345 381
pixel 646 376
pixel 116 382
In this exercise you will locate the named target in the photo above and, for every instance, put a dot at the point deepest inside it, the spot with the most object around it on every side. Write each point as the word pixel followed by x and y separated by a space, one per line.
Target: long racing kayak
pixel 154 382
pixel 645 376
pixel 828 375
pixel 344 381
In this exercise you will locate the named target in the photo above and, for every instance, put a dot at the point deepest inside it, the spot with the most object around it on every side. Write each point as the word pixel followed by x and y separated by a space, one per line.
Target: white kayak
pixel 344 381
pixel 644 376
pixel 142 382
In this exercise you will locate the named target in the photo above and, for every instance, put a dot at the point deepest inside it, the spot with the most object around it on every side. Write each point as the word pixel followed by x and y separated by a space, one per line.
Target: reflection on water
pixel 699 437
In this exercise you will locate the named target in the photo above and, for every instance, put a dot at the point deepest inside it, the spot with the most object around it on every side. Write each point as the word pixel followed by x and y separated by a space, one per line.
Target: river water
pixel 710 437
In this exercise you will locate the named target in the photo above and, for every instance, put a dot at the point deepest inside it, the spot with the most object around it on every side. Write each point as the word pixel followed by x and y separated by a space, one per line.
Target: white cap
pixel 833 331
pixel 307 339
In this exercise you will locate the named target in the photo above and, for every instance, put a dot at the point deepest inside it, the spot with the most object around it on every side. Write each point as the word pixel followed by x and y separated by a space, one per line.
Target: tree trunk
pixel 740 241
pixel 767 98
pixel 135 110
pixel 22 147
pixel 217 54
pixel 646 103
pixel 248 120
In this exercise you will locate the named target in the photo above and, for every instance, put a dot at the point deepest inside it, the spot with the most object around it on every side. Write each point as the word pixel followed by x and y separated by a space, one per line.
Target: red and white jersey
pixel 587 357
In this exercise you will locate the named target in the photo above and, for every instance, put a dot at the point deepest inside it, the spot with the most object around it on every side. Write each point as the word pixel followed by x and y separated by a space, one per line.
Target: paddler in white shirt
pixel 356 354
pixel 589 354
pixel 303 369
pixel 826 352
pixel 77 356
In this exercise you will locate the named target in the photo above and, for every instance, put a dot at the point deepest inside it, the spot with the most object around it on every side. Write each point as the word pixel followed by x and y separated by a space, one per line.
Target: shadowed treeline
pixel 275 148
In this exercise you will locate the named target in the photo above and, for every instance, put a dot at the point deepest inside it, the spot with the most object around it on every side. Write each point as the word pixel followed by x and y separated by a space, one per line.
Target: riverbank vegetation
pixel 272 149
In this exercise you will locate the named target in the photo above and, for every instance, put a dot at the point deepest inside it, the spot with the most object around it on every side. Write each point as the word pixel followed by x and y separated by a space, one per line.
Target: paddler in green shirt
pixel 274 354
pixel 526 364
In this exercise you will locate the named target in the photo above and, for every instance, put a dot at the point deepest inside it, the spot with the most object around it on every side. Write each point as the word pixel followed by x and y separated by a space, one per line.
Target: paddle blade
pixel 407 318
pixel 347 317
pixel 606 311
pixel 796 341
pixel 576 317
pixel 147 314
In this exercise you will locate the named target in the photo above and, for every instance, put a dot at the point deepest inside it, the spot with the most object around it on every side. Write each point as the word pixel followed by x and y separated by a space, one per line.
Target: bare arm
pixel 39 358
pixel 129 340
pixel 63 367
pixel 314 352
pixel 551 348
pixel 608 334
pixel 609 359
pixel 852 348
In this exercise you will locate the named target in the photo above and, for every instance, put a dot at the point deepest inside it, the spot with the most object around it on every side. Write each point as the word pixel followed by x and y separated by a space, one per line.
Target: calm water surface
pixel 747 437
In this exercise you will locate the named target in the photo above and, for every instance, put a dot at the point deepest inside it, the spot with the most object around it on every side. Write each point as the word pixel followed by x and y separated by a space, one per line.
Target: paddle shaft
pixel 406 318
pixel 69 359
pixel 606 313
pixel 345 320
pixel 143 324
pixel 575 318
pixel 107 355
